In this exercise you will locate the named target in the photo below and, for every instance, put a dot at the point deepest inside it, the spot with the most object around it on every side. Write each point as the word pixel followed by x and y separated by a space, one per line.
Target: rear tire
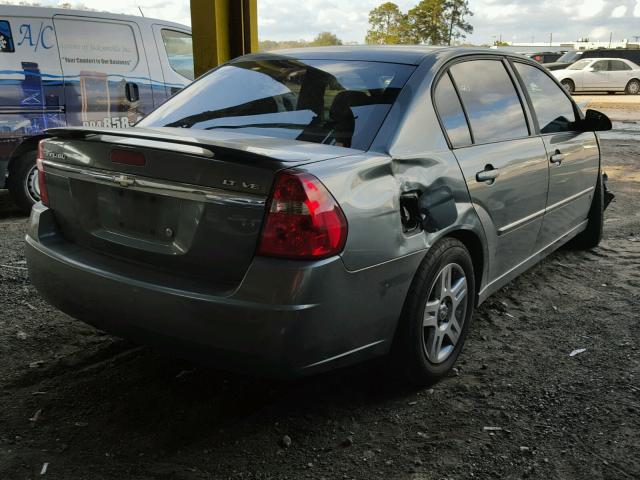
pixel 633 87
pixel 592 235
pixel 23 181
pixel 568 85
pixel 435 320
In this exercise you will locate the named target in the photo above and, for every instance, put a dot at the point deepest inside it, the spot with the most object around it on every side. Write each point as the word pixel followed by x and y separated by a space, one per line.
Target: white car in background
pixel 601 74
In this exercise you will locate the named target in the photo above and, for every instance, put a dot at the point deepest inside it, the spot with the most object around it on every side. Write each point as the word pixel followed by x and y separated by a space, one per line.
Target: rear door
pixel 619 74
pixel 505 167
pixel 106 75
pixel 573 156
pixel 597 77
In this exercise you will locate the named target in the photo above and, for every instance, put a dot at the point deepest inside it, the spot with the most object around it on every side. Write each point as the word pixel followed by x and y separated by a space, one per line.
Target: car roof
pixel 39 12
pixel 608 58
pixel 406 54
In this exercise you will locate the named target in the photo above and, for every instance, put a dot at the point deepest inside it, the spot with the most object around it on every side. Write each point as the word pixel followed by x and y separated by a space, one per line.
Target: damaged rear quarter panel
pixel 409 154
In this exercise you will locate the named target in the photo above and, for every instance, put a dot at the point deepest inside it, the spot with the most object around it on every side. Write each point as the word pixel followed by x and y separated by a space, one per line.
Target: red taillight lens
pixel 42 184
pixel 303 221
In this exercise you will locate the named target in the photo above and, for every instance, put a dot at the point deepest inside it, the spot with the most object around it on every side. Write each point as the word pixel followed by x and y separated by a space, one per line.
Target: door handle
pixel 131 92
pixel 488 175
pixel 557 157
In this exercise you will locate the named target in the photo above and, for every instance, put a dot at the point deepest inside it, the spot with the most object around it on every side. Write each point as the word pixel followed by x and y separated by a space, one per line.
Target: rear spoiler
pixel 145 138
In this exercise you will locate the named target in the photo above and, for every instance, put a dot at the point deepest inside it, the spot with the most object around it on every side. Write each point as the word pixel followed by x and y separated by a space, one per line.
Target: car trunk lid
pixel 190 206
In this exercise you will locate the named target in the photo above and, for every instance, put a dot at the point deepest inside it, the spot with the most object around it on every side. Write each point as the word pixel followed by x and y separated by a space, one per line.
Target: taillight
pixel 303 221
pixel 42 184
pixel 127 157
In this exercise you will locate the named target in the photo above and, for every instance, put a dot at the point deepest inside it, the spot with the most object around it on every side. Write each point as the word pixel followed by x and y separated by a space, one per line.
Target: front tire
pixel 23 181
pixel 633 87
pixel 568 85
pixel 436 314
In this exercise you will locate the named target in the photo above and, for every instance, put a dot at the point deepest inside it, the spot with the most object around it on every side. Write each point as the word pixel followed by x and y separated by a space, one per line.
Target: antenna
pixel 141 12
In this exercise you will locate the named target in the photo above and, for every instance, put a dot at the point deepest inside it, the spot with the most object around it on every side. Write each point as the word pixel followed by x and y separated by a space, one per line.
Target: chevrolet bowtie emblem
pixel 124 180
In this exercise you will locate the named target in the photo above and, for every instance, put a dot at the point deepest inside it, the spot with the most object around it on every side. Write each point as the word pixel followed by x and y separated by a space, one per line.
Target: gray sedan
pixel 294 212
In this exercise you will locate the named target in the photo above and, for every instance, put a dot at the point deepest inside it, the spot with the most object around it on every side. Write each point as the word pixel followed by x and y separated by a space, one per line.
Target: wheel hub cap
pixel 445 313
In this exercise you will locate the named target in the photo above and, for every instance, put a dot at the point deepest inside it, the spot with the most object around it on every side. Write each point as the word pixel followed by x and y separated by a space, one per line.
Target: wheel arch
pixel 568 79
pixel 27 145
pixel 471 240
pixel 637 79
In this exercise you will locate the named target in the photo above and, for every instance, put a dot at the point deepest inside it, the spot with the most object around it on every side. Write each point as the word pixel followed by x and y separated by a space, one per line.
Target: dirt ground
pixel 619 107
pixel 78 404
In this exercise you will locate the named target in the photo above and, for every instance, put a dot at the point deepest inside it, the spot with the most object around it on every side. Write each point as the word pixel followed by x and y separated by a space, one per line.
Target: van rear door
pixel 106 74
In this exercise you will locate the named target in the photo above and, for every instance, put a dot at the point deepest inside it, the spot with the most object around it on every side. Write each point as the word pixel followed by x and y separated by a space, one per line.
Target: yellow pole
pixel 222 30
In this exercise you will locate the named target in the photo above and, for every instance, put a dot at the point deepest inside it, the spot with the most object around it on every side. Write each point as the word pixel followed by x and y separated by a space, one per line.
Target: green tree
pixel 387 25
pixel 455 13
pixel 435 22
pixel 428 23
pixel 324 39
pixel 266 45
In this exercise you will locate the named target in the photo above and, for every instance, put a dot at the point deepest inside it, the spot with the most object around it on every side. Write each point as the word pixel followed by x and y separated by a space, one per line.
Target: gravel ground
pixel 78 404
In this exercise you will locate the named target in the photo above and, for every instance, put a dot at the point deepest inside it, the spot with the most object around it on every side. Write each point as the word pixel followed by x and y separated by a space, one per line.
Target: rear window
pixel 618 65
pixel 178 47
pixel 322 101
pixel 6 39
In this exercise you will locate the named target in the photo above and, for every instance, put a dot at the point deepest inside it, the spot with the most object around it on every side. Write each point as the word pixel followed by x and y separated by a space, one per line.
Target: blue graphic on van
pixel 6 39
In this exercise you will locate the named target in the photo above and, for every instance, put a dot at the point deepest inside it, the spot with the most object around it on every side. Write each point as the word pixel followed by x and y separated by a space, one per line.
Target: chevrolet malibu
pixel 293 212
pixel 601 74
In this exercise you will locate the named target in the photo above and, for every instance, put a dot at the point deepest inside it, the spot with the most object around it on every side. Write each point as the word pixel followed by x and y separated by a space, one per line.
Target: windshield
pixel 579 65
pixel 570 57
pixel 322 101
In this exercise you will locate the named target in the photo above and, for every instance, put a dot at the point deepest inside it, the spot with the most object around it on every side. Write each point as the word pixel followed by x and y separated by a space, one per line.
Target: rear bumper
pixel 286 318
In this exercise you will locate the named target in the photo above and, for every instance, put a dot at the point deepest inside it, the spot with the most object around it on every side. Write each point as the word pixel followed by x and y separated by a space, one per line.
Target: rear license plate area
pixel 137 214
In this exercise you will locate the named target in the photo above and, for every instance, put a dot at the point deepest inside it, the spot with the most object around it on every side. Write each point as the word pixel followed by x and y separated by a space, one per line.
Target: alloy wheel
pixel 444 313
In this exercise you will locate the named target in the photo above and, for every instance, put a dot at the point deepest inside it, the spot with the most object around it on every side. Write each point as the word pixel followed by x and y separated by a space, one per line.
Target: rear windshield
pixel 322 101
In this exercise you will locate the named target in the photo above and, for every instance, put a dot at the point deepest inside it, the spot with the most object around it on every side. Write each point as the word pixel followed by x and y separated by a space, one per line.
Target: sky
pixel 512 20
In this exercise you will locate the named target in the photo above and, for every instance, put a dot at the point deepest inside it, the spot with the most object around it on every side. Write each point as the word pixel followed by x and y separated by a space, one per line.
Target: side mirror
pixel 595 121
pixel 589 69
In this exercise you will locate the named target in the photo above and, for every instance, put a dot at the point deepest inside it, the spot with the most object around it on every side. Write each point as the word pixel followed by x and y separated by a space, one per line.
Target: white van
pixel 62 67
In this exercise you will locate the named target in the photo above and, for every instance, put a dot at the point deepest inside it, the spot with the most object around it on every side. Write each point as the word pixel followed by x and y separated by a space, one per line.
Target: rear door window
pixel 451 114
pixel 491 100
pixel 553 109
pixel 179 50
